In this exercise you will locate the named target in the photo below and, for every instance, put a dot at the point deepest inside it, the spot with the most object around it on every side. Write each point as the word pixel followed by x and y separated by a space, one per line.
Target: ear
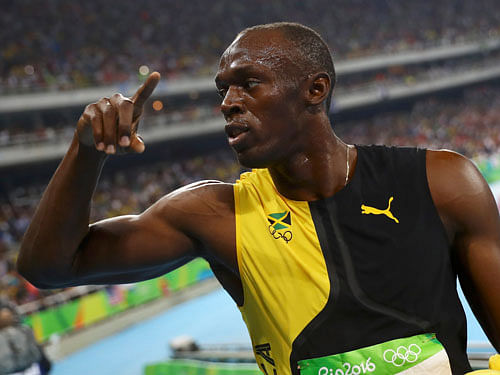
pixel 318 88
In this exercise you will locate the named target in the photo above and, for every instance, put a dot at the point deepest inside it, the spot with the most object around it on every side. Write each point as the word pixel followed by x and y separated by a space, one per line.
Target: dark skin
pixel 276 118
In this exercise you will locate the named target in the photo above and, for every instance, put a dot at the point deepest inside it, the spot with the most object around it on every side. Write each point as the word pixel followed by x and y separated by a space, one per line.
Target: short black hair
pixel 313 52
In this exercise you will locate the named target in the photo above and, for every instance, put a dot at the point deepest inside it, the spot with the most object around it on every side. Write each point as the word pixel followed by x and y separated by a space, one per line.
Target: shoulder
pixel 459 191
pixel 201 211
pixel 449 158
pixel 202 188
pixel 453 174
pixel 199 198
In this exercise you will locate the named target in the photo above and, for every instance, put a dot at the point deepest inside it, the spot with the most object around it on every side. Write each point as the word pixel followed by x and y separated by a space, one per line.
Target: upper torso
pixel 300 298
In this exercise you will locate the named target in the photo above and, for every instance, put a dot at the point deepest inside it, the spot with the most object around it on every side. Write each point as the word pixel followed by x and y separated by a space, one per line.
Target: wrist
pixel 87 152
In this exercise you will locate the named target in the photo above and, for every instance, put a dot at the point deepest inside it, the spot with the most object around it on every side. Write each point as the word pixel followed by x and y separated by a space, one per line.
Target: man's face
pixel 6 318
pixel 259 85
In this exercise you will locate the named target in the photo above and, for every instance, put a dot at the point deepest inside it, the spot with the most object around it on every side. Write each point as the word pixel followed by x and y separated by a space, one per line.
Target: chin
pixel 252 161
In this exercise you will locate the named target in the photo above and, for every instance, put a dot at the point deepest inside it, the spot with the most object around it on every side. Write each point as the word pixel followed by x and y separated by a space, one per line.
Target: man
pixel 327 248
pixel 20 354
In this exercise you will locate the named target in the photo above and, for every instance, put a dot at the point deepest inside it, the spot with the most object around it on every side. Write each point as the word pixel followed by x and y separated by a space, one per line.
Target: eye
pixel 222 93
pixel 250 83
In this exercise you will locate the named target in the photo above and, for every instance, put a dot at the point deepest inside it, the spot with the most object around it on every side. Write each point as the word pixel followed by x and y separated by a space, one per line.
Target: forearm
pixel 61 220
pixel 487 316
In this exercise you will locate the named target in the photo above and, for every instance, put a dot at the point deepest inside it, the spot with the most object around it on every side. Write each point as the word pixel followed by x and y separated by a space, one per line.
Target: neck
pixel 317 172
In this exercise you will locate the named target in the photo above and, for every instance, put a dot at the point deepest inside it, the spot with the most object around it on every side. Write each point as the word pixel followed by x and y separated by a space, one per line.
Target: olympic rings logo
pixel 287 236
pixel 402 355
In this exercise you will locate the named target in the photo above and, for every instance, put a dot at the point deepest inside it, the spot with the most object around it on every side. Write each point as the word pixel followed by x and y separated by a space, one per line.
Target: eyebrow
pixel 238 71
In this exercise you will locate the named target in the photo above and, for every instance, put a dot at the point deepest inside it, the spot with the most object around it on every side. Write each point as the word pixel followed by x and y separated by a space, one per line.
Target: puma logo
pixel 376 211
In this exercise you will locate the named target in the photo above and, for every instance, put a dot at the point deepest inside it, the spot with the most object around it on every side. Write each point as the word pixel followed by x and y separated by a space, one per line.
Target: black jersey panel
pixel 388 262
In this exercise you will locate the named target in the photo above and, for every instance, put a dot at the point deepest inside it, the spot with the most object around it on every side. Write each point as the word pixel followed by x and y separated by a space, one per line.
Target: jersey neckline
pixel 342 191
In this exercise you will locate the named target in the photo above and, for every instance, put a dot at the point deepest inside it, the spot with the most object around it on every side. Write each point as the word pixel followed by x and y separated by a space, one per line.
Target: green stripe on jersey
pixel 390 357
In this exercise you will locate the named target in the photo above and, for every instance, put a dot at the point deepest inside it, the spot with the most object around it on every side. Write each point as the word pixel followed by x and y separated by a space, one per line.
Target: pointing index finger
pixel 145 91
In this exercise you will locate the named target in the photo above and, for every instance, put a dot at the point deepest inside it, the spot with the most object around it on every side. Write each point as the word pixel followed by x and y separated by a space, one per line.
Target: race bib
pixel 421 354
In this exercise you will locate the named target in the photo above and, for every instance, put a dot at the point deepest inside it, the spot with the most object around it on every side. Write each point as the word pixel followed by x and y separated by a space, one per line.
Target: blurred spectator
pixel 20 354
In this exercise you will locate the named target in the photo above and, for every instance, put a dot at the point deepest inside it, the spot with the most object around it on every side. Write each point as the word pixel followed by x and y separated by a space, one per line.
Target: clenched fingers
pixel 111 123
pixel 125 108
pixel 95 117
pixel 88 129
pixel 109 118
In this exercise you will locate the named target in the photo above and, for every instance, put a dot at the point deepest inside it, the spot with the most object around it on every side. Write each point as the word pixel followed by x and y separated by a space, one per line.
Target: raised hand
pixel 110 125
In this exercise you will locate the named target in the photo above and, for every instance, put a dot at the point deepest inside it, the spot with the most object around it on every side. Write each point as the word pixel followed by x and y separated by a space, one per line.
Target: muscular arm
pixel 60 248
pixel 176 229
pixel 469 212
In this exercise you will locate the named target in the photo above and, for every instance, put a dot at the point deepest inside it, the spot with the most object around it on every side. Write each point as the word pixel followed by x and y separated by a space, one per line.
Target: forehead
pixel 265 48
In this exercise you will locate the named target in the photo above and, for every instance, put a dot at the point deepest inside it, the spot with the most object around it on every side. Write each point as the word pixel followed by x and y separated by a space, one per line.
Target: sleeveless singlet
pixel 368 265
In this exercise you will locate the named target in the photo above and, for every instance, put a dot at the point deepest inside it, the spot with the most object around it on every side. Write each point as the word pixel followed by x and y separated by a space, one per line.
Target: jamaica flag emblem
pixel 280 221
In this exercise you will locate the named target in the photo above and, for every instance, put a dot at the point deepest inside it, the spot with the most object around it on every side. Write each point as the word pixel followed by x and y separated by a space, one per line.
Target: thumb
pixel 137 144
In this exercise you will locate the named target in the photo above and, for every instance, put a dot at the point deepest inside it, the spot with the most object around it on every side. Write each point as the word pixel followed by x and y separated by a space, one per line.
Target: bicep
pixel 474 212
pixel 464 199
pixel 132 248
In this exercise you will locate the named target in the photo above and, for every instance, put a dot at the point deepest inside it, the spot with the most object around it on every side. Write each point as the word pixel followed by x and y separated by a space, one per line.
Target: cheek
pixel 275 108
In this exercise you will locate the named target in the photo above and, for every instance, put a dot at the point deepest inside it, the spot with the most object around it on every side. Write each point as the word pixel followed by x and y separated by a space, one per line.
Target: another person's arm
pixel 470 215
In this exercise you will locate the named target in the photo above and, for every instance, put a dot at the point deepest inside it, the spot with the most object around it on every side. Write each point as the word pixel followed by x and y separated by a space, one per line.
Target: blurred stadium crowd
pixel 57 44
pixel 469 125
pixel 60 127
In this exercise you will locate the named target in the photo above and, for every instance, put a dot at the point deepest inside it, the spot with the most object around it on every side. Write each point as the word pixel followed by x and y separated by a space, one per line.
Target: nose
pixel 232 102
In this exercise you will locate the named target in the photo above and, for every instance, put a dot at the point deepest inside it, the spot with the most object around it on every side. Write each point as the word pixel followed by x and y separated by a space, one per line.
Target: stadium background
pixel 409 73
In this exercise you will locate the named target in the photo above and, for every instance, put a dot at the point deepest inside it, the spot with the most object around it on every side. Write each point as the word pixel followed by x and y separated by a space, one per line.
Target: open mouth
pixel 235 133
